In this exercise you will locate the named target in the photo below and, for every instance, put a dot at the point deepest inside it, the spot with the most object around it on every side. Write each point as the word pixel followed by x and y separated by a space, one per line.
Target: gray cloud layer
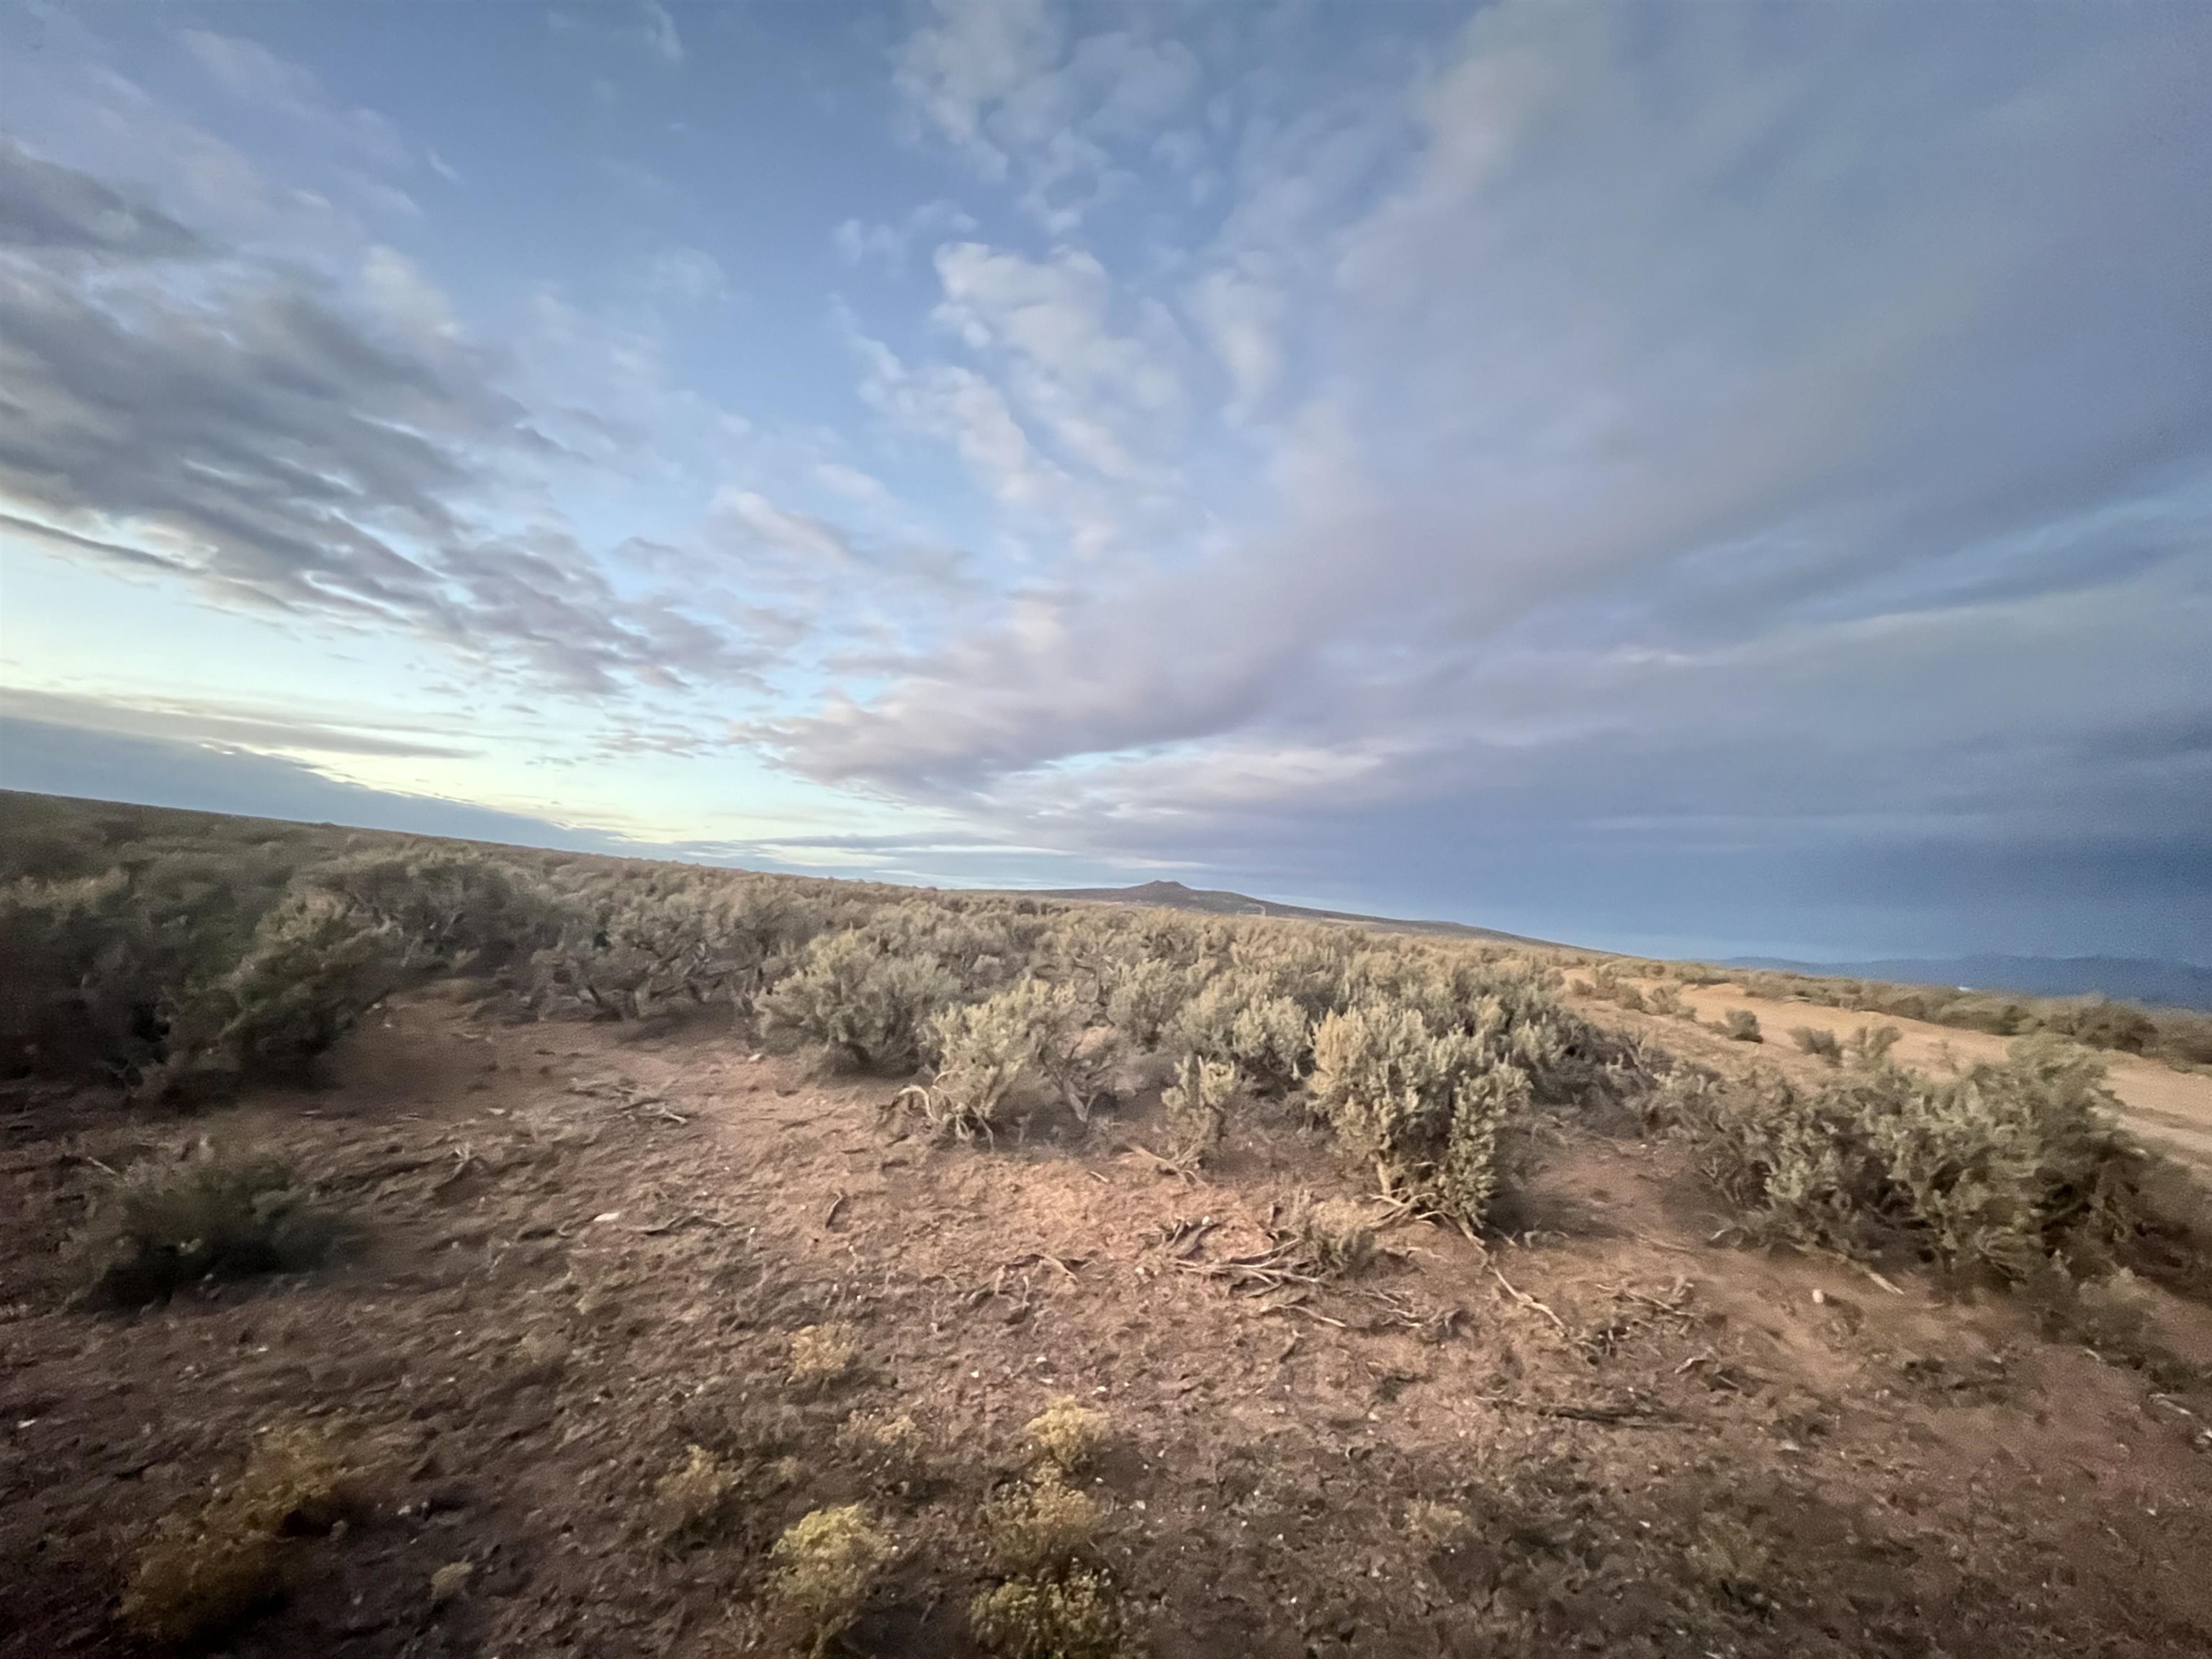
pixel 250 427
pixel 1711 424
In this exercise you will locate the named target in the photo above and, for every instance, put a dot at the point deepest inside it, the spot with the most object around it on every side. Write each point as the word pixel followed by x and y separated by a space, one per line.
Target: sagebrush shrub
pixel 869 1006
pixel 824 1567
pixel 1327 1237
pixel 2003 1167
pixel 316 964
pixel 691 1499
pixel 1041 1526
pixel 1870 1045
pixel 173 1220
pixel 823 1354
pixel 206 1570
pixel 1066 1434
pixel 983 1050
pixel 1426 1108
pixel 1822 1044
pixel 1143 995
pixel 1741 1025
pixel 890 1444
pixel 1073 1615
pixel 1196 1104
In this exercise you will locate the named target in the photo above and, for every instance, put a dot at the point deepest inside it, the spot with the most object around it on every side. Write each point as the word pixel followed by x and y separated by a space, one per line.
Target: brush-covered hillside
pixel 414 1247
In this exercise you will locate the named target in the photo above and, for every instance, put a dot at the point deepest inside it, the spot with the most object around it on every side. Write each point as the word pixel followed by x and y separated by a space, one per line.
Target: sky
pixel 1689 480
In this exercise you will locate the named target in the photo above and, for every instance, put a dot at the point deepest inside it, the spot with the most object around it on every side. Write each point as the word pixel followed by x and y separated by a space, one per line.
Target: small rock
pixel 445 1583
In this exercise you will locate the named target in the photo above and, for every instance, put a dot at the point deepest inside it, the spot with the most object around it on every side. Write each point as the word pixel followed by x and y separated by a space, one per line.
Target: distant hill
pixel 1174 896
pixel 2127 979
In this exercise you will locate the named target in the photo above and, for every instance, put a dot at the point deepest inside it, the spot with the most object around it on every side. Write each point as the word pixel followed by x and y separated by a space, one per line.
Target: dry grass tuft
pixel 823 1354
pixel 1074 1616
pixel 1066 1434
pixel 691 1500
pixel 205 1572
pixel 825 1566
pixel 1041 1526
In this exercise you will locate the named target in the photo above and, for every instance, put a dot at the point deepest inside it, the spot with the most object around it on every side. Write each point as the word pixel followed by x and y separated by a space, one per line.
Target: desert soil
pixel 584 1248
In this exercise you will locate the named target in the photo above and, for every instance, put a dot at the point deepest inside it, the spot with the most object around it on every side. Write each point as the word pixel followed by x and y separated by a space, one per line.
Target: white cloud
pixel 975 54
pixel 688 275
pixel 660 35
pixel 754 517
pixel 1106 396
pixel 1241 318
pixel 860 241
pixel 998 80
pixel 251 72
pixel 852 482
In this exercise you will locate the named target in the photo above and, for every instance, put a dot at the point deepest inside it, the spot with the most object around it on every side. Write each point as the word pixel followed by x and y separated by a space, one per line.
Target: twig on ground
pixel 1530 1302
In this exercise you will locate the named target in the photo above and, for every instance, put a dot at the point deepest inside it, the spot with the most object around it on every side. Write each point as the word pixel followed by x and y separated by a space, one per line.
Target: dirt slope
pixel 586 1248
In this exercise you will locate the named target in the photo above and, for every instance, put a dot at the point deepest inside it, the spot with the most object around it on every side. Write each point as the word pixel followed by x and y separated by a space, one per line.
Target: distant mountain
pixel 2127 979
pixel 1174 896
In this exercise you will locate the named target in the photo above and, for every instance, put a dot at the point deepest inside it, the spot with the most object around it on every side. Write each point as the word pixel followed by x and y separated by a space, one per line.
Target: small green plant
pixel 172 1221
pixel 204 1572
pixel 823 1354
pixel 1071 1616
pixel 823 1569
pixel 1822 1044
pixel 691 1499
pixel 1741 1025
pixel 1066 1434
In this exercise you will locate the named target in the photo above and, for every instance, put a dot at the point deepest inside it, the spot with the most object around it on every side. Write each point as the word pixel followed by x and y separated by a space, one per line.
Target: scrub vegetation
pixel 536 1253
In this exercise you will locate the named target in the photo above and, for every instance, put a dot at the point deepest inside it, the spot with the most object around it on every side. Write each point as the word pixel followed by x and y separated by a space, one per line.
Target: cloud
pixel 1241 318
pixel 859 241
pixel 275 439
pixel 753 516
pixel 251 73
pixel 1093 388
pixel 49 207
pixel 1633 421
pixel 660 34
pixel 45 757
pixel 998 81
pixel 687 275
pixel 231 726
